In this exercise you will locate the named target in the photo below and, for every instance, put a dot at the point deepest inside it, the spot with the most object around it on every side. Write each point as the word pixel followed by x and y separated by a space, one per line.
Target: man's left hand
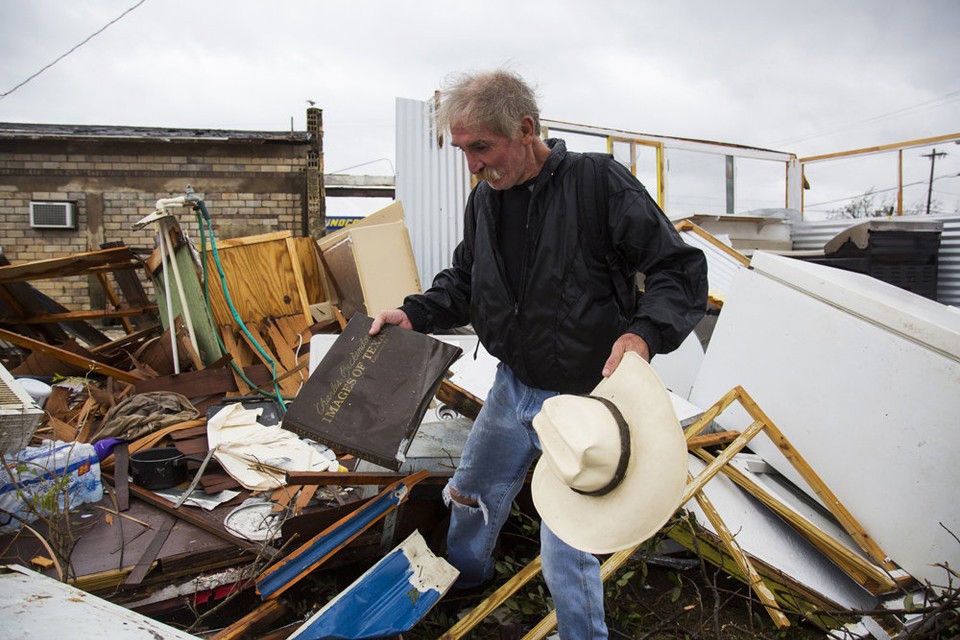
pixel 626 342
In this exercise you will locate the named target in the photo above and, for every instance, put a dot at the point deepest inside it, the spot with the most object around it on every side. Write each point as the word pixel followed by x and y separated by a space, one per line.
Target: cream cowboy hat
pixel 593 493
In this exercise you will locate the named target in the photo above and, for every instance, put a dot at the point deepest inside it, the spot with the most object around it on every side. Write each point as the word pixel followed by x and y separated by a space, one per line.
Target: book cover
pixel 368 394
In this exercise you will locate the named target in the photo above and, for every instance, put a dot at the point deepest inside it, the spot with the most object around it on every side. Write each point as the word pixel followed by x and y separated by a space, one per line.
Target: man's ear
pixel 527 129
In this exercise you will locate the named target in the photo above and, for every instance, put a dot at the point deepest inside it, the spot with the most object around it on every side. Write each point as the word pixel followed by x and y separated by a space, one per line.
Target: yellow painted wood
pixel 733 547
pixel 830 500
pixel 493 601
pixel 871 577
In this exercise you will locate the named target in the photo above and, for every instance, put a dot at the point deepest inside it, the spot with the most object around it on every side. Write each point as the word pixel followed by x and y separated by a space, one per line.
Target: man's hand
pixel 390 316
pixel 626 342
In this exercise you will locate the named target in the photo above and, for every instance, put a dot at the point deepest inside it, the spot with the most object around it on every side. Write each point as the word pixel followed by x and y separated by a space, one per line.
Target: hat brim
pixel 655 480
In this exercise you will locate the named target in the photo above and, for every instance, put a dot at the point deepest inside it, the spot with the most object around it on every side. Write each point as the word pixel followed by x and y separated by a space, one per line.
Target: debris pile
pixel 819 417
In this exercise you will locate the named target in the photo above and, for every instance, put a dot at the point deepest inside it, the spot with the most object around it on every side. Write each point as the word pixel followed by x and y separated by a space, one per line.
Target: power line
pixel 85 41
pixel 873 191
pixel 944 99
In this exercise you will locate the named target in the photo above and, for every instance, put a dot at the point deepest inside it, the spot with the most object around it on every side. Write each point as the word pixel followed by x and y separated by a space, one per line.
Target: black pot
pixel 158 468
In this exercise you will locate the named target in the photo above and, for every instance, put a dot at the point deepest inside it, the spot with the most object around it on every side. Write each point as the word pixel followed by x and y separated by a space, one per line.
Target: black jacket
pixel 558 332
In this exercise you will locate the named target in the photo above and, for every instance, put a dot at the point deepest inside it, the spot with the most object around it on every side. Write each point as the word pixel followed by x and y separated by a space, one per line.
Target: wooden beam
pixel 351 478
pixel 70 358
pixel 67 316
pixel 90 262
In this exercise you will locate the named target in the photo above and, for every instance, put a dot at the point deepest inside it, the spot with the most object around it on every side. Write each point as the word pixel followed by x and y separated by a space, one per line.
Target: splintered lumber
pixel 351 478
pixel 196 518
pixel 194 384
pixel 70 358
pixel 282 376
pixel 241 353
pixel 147 560
pixel 90 262
pixel 69 316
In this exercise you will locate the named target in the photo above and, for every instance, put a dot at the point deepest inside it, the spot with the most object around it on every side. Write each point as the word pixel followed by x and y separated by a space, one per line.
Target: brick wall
pixel 248 188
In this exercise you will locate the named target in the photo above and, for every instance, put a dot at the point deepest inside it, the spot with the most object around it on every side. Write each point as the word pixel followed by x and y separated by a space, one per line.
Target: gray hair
pixel 496 100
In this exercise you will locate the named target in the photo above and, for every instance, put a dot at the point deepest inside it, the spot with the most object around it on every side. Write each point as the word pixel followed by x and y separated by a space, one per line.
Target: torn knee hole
pixel 455 496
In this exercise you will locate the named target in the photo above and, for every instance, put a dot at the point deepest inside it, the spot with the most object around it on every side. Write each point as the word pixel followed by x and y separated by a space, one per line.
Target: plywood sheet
pixel 261 276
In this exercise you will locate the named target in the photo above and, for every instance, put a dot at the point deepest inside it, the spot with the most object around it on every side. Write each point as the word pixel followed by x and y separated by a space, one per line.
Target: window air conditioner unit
pixel 19 415
pixel 53 215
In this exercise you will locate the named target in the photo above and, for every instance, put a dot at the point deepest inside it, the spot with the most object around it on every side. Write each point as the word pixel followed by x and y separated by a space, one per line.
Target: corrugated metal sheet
pixel 433 183
pixel 813 235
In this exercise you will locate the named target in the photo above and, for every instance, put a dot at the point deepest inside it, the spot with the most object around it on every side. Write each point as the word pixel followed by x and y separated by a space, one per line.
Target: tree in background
pixel 874 205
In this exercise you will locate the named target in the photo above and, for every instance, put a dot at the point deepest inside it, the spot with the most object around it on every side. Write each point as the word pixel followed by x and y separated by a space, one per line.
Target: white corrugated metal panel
pixel 433 183
pixel 948 266
pixel 721 266
pixel 813 235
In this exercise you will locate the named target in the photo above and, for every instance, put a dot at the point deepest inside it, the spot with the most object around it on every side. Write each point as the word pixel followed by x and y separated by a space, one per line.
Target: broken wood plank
pixel 351 478
pixel 203 383
pixel 131 288
pixel 68 357
pixel 147 560
pixel 61 430
pixel 121 487
pixel 295 330
pixel 22 300
pixel 281 376
pixel 90 262
pixel 86 419
pixel 197 518
pixel 712 439
pixel 306 494
pixel 241 353
pixel 68 316
pixel 114 299
pixel 459 399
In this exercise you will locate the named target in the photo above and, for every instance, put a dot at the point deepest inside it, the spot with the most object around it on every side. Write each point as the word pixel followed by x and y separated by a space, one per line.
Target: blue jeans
pixel 500 448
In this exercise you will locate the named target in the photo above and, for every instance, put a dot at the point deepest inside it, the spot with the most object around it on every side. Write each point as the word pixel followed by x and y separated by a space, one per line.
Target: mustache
pixel 488 174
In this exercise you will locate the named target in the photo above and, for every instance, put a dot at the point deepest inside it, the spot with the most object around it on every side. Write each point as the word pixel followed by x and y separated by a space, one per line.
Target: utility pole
pixel 933 155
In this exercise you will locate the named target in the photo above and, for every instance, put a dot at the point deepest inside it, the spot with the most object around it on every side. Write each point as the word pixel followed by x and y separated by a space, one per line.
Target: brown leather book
pixel 368 394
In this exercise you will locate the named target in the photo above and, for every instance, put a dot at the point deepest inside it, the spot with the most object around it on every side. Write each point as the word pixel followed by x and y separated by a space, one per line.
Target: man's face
pixel 493 157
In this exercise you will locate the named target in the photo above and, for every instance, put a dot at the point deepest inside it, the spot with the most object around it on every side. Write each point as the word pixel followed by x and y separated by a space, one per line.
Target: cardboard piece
pixel 369 393
pixel 371 263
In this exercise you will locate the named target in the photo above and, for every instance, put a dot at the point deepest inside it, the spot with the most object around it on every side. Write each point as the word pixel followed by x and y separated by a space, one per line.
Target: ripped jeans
pixel 500 448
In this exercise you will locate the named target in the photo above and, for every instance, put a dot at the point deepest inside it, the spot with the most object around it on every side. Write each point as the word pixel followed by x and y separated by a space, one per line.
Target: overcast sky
pixel 806 77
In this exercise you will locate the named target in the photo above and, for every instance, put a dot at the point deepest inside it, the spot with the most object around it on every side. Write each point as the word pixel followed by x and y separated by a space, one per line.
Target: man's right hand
pixel 390 316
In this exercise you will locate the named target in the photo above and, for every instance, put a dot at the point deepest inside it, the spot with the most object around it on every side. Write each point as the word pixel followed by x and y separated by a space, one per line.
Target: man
pixel 548 308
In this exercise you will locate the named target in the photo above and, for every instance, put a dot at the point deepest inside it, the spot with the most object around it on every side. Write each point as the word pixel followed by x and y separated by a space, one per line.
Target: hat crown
pixel 640 498
pixel 580 439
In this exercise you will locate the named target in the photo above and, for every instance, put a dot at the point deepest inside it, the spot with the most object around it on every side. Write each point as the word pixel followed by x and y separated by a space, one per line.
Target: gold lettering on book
pixel 350 372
